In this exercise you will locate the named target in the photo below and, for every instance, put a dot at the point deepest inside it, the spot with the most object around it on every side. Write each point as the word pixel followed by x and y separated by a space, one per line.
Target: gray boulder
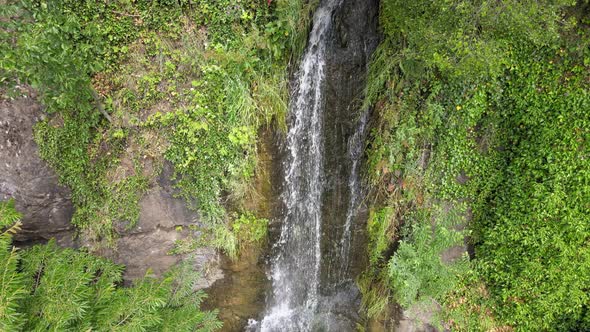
pixel 26 178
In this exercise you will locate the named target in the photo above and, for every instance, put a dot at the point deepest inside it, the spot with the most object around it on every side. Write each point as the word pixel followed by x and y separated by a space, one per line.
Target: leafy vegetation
pixel 53 289
pixel 482 134
pixel 128 85
pixel 245 230
pixel 57 47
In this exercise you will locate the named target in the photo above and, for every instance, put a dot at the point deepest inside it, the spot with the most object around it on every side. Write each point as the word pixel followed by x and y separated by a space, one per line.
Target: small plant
pixel 249 229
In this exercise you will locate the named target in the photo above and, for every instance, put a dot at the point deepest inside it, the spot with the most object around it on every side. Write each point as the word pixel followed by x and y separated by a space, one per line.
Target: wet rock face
pixel 26 178
pixel 349 49
pixel 240 294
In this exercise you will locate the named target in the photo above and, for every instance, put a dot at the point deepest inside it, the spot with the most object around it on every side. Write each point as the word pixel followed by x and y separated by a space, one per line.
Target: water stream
pixel 296 267
pixel 356 147
pixel 307 296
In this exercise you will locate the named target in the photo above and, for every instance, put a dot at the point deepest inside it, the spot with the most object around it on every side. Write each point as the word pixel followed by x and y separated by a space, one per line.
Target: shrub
pixel 49 288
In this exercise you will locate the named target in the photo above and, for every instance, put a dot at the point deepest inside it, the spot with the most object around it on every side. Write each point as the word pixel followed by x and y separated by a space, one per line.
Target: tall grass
pixel 298 15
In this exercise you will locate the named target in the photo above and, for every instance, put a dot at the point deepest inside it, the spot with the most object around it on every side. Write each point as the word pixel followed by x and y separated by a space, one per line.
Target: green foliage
pixel 241 86
pixel 249 229
pixel 417 270
pixel 468 306
pixel 211 143
pixel 210 74
pixel 374 283
pixel 541 213
pixel 376 292
pixel 237 86
pixel 466 39
pixel 381 227
pixel 52 289
pixel 8 214
pixel 477 105
pixel 288 34
pixel 57 47
pixel 245 230
pixel 11 282
pixel 222 238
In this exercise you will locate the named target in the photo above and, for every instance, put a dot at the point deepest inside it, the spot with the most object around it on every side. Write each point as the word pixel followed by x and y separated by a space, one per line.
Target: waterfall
pixel 295 270
pixel 312 288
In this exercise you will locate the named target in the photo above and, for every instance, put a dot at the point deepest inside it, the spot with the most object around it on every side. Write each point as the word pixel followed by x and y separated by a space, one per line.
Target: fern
pixel 47 288
pixel 11 287
pixel 11 284
pixel 8 215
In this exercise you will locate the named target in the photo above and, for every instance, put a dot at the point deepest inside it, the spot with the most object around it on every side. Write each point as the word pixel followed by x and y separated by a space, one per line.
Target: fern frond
pixel 12 290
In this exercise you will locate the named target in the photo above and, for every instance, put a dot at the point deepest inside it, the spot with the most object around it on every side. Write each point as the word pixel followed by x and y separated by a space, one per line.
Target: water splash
pixel 295 269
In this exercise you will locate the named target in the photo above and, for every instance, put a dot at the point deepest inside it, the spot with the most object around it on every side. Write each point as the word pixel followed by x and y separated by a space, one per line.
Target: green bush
pixel 53 289
pixel 485 104
pixel 417 271
pixel 218 70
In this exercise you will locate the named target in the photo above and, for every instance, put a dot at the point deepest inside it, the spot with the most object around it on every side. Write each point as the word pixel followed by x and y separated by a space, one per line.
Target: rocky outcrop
pixel 47 209
pixel 164 219
pixel 26 178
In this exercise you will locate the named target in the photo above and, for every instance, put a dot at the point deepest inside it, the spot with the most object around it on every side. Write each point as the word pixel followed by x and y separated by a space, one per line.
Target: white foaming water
pixel 312 289
pixel 295 270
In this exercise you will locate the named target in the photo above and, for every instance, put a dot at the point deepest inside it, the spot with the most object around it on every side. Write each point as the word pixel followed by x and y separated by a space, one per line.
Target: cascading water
pixel 312 287
pixel 296 267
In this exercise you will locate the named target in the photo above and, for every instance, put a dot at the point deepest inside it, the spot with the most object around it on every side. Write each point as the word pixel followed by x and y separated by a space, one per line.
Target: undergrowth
pixel 54 289
pixel 128 85
pixel 481 136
